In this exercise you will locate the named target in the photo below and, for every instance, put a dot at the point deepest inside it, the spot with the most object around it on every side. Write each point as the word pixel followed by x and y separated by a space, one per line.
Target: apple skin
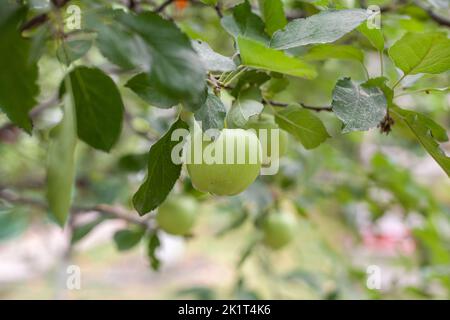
pixel 278 229
pixel 267 121
pixel 227 179
pixel 177 215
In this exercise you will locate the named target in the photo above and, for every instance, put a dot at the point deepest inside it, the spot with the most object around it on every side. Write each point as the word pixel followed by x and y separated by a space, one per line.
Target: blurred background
pixel 362 201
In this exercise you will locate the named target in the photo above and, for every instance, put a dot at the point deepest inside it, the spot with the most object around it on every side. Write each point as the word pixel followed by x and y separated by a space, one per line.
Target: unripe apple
pixel 267 121
pixel 278 229
pixel 231 174
pixel 177 215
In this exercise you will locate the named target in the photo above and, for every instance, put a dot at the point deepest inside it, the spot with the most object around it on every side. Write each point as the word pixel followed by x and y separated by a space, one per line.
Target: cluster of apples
pixel 177 215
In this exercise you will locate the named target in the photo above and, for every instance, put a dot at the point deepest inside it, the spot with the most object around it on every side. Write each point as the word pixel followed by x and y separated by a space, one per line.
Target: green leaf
pixel 359 107
pixel 375 36
pixel 176 69
pixel 394 178
pixel 99 107
pixel 251 78
pixel 330 51
pixel 83 230
pixel 61 162
pixel 161 175
pixel 18 74
pixel 141 84
pixel 273 15
pixel 243 22
pixel 380 82
pixel 211 59
pixel 235 223
pixel 73 50
pixel 120 46
pixel 198 293
pixel 303 125
pixel 324 27
pixel 13 222
pixel 256 55
pixel 427 132
pixel 244 107
pixel 248 250
pixel 153 245
pixel 133 162
pixel 128 238
pixel 274 86
pixel 309 278
pixel 209 2
pixel 422 53
pixel 212 113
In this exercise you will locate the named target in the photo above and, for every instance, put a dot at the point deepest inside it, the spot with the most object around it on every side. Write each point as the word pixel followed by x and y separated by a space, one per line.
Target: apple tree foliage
pixel 225 63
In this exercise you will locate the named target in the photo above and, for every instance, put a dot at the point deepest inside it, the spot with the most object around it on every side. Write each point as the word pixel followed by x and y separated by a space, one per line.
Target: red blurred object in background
pixel 181 4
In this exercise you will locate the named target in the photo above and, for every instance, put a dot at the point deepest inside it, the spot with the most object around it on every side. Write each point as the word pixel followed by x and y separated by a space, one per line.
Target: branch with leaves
pixel 147 59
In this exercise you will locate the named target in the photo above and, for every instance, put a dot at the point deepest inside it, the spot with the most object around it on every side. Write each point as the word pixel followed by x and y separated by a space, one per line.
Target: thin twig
pixel 218 9
pixel 14 198
pixel 121 213
pixel 163 5
pixel 60 3
pixel 398 81
pixel 313 108
pixel 116 212
pixel 133 5
pixel 34 22
pixel 443 21
pixel 439 19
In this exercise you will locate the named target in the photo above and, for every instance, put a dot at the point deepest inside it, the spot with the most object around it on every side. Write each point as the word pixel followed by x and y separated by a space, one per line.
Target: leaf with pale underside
pixel 246 106
pixel 212 60
pixel 212 113
pixel 359 107
pixel 324 27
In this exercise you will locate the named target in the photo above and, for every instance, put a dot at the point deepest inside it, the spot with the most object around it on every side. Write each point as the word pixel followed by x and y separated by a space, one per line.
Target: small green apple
pixel 177 215
pixel 226 177
pixel 278 229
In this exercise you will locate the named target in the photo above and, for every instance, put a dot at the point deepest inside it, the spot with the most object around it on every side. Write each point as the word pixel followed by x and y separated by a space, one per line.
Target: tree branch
pixel 439 19
pixel 284 105
pixel 116 212
pixel 34 22
pixel 60 3
pixel 163 5
pixel 218 9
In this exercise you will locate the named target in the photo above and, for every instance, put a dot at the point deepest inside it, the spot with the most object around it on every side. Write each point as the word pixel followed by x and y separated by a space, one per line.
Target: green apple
pixel 177 215
pixel 278 229
pixel 267 121
pixel 227 175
